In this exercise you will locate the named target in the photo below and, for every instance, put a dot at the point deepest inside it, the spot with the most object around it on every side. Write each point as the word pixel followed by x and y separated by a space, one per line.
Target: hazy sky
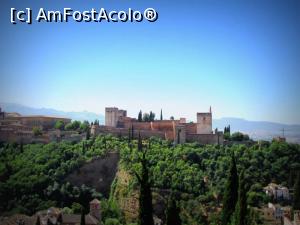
pixel 240 57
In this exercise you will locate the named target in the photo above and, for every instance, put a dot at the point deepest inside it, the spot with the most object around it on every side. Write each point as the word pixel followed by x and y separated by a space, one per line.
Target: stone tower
pixel 111 116
pixel 95 209
pixel 180 134
pixel 204 123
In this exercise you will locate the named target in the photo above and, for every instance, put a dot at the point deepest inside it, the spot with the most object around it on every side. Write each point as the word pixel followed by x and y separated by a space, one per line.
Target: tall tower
pixel 95 209
pixel 111 116
pixel 204 122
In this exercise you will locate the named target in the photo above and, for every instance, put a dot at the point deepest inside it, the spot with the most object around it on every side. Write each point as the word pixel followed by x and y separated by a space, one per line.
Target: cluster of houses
pixel 55 216
pixel 276 213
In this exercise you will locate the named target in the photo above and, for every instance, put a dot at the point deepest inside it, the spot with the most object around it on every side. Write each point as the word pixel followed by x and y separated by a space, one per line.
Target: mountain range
pixel 256 129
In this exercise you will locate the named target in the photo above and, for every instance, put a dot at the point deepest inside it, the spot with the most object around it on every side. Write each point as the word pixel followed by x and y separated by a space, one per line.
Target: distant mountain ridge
pixel 26 110
pixel 256 129
pixel 260 129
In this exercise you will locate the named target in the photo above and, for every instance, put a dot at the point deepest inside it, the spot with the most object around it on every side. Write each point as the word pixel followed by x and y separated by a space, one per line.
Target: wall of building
pixel 180 134
pixel 205 138
pixel 124 132
pixel 111 116
pixel 191 128
pixel 204 123
pixel 41 121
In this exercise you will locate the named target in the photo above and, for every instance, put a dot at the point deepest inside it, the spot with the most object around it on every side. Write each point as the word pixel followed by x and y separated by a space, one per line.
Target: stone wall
pixel 206 138
pixel 45 122
pixel 124 132
pixel 204 123
pixel 111 116
pixel 180 134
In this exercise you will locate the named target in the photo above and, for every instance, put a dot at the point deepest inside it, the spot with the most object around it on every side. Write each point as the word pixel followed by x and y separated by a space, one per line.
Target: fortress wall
pixel 164 125
pixel 138 125
pixel 125 131
pixel 205 138
pixel 169 135
pixel 191 128
pixel 40 121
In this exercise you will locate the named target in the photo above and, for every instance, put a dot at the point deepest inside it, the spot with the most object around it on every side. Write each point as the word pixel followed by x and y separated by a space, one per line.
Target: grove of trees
pixel 204 178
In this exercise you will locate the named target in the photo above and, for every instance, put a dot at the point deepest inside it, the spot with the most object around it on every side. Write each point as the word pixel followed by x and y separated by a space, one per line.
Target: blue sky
pixel 240 57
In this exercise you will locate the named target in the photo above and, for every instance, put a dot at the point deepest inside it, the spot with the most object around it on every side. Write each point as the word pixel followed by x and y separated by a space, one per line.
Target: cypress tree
pixel 140 116
pixel 140 143
pixel 296 204
pixel 161 115
pixel 230 194
pixel 129 136
pixel 145 199
pixel 88 134
pixel 172 212
pixel 82 219
pixel 132 132
pixel 240 213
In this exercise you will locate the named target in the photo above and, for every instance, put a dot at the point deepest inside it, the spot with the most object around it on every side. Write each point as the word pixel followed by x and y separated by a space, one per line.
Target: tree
pixel 82 219
pixel 240 214
pixel 132 132
pixel 151 116
pixel 76 124
pixel 146 117
pixel 88 134
pixel 161 115
pixel 69 126
pixel 172 212
pixel 238 136
pixel 145 198
pixel 37 131
pixel 140 143
pixel 230 194
pixel 140 116
pixel 60 125
pixel 85 126
pixel 76 207
pixel 112 221
pixel 227 132
pixel 296 204
pixel 172 118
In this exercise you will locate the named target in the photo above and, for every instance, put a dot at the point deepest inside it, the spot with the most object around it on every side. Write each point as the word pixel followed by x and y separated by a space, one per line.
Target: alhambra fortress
pixel 17 128
pixel 118 123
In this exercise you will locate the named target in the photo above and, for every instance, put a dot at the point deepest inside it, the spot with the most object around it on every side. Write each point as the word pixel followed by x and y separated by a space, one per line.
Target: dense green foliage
pixel 231 193
pixel 240 214
pixel 145 199
pixel 32 176
pixel 297 193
